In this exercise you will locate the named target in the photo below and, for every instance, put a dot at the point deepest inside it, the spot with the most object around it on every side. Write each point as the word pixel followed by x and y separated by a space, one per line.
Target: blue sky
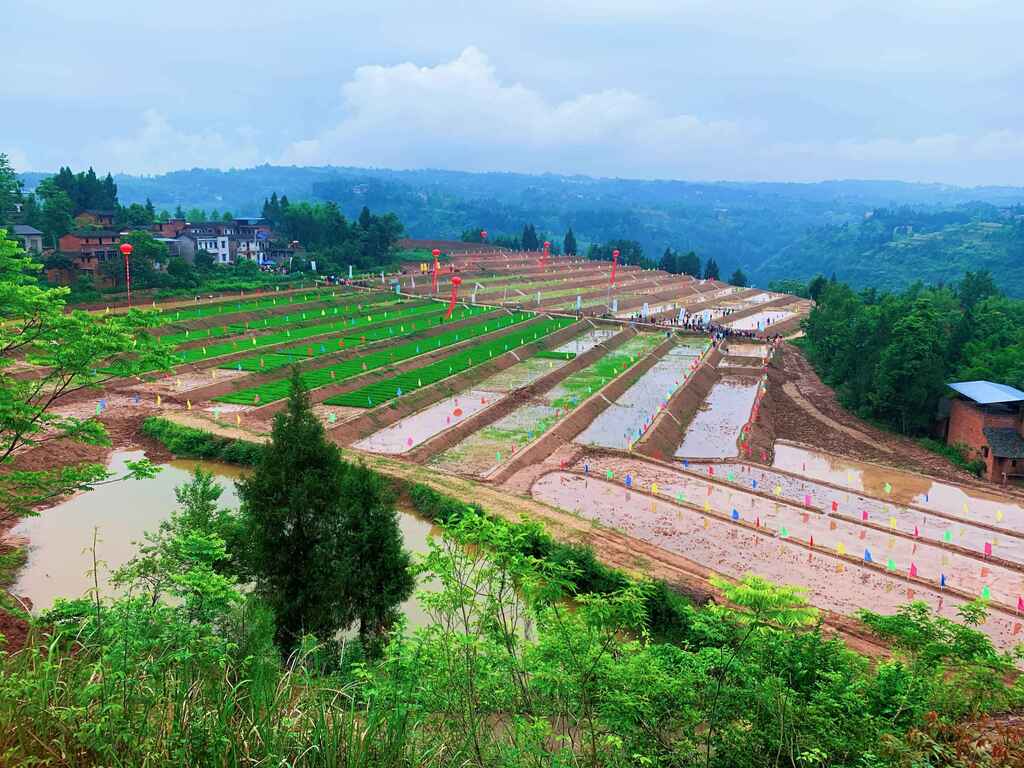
pixel 920 90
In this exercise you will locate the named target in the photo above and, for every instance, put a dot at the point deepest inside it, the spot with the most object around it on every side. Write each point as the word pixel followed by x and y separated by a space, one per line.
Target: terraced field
pixel 248 305
pixel 270 391
pixel 351 337
pixel 409 381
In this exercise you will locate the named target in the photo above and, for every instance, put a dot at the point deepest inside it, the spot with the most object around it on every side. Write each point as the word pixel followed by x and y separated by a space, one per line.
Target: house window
pixel 984 451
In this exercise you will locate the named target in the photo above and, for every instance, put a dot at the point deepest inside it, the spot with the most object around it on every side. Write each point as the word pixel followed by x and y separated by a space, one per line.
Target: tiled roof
pixel 25 229
pixel 1005 442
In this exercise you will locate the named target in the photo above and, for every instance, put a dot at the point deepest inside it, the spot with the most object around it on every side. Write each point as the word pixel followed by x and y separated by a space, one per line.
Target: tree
pixel 68 347
pixel 711 269
pixel 10 190
pixel 816 287
pixel 306 514
pixel 976 287
pixel 147 253
pixel 529 238
pixel 204 260
pixel 668 262
pixel 689 264
pixel 55 216
pixel 739 279
pixel 569 244
pixel 178 213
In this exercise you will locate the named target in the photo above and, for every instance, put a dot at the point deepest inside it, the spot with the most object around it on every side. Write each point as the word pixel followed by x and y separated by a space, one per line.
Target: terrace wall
pixel 515 399
pixel 666 431
pixel 580 418
pixel 320 394
pixel 304 363
pixel 362 425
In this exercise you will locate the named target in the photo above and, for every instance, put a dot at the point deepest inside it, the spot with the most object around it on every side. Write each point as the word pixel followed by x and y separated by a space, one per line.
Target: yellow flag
pixel 238 420
pixel 840 548
pixel 892 522
pixel 158 399
pixel 999 515
pixel 189 404
pixel 654 488
pixel 707 507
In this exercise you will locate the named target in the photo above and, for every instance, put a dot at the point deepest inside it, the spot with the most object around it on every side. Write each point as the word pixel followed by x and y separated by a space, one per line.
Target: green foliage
pixel 322 543
pixel 569 246
pixel 958 454
pixel 66 348
pixel 739 279
pixel 711 269
pixel 193 443
pixel 890 355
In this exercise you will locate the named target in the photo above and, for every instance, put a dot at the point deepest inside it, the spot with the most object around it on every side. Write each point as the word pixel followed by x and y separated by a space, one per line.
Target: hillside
pixel 770 230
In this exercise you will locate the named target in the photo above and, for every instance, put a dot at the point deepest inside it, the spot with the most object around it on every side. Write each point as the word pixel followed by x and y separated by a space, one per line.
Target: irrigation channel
pixel 687 515
pixel 60 556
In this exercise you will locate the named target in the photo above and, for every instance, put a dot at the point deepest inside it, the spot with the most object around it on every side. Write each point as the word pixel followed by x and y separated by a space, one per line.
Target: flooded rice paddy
pixel 715 428
pixel 900 487
pixel 761 320
pixel 488 448
pixel 725 547
pixel 624 421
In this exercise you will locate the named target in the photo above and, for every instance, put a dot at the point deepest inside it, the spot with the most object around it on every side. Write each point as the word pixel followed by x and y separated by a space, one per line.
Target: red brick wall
pixel 965 424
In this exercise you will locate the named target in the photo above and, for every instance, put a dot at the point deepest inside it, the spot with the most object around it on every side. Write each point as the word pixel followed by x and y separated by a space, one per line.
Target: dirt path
pixel 807 411
pixel 793 391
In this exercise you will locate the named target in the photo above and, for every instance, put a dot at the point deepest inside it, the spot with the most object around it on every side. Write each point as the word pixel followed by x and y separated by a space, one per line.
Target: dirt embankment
pixel 805 410
pixel 369 422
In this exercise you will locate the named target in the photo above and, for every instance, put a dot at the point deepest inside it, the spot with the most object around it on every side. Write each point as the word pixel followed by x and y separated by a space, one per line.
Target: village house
pixel 987 418
pixel 89 249
pixel 31 238
pixel 95 218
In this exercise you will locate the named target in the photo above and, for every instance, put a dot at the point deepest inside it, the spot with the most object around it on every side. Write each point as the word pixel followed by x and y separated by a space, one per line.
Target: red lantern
pixel 456 282
pixel 615 263
pixel 437 268
pixel 126 251
pixel 483 234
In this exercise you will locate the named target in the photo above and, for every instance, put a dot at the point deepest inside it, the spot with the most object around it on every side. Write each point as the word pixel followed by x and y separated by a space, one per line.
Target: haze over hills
pixel 869 233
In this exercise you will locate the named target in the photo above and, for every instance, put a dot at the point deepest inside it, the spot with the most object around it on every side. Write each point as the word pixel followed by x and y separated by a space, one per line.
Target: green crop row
pixel 231 307
pixel 278 321
pixel 341 325
pixel 393 330
pixel 270 391
pixel 409 381
pixel 550 354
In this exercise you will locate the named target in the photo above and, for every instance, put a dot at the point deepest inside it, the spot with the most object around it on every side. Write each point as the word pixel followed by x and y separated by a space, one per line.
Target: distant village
pixel 95 240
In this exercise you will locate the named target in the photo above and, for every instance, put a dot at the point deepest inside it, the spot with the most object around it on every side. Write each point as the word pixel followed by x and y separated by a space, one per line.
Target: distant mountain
pixel 770 230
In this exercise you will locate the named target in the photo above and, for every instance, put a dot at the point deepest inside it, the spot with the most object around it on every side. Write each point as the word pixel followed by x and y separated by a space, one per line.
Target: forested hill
pixel 857 229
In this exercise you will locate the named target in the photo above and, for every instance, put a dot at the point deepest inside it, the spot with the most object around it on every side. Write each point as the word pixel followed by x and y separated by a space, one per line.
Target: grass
pixel 409 381
pixel 393 330
pixel 273 321
pixel 341 324
pixel 275 390
pixel 232 307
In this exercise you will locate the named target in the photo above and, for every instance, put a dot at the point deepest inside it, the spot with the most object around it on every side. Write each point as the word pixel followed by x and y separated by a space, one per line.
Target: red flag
pixel 988 549
pixel 812 541
pixel 917 534
pixel 1020 603
pixel 913 571
pixel 615 263
pixel 835 506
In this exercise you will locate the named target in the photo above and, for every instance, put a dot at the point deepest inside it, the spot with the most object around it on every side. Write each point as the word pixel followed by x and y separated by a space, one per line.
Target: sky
pixel 786 90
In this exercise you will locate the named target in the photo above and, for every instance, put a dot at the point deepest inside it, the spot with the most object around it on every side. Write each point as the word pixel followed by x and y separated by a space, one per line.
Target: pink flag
pixel 988 549
pixel 1020 604
pixel 864 515
pixel 835 506
pixel 913 571
pixel 807 499
pixel 916 533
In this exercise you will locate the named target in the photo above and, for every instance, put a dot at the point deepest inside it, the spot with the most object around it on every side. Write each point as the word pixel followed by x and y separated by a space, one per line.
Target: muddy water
pixel 406 434
pixel 59 538
pixel 760 320
pixel 716 427
pixel 726 548
pixel 902 487
pixel 622 423
pixel 587 341
pixel 961 532
pixel 483 451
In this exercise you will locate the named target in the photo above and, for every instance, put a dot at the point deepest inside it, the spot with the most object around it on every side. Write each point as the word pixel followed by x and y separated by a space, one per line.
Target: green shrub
pixel 958 453
pixel 196 444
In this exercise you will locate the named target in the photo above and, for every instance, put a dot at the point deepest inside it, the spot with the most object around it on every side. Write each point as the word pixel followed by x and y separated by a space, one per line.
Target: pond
pixel 60 538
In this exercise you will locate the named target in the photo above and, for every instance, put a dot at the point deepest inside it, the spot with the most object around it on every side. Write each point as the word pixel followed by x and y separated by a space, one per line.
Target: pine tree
pixel 569 244
pixel 668 262
pixel 322 540
pixel 739 279
pixel 530 241
pixel 689 264
pixel 365 219
pixel 150 209
pixel 711 269
pixel 178 212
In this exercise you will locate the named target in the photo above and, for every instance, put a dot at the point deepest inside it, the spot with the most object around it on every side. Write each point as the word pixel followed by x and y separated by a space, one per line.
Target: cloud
pixel 17 159
pixel 158 147
pixel 458 114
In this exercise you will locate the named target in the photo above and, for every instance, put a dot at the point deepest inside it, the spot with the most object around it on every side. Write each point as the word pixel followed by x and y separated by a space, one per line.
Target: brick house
pixel 170 228
pixel 95 218
pixel 88 249
pixel 987 418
